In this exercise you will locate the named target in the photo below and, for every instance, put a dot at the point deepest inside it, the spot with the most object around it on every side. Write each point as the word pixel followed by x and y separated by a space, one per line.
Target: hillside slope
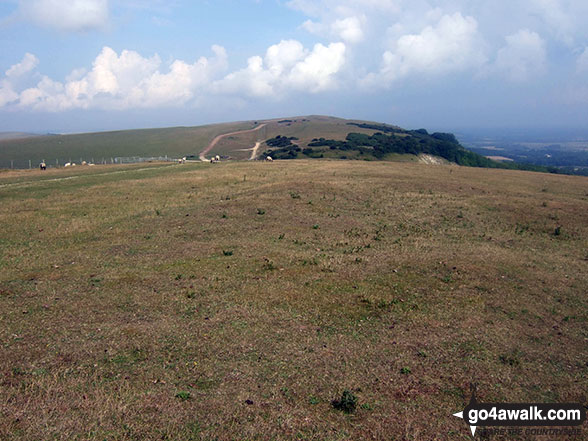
pixel 287 138
pixel 173 141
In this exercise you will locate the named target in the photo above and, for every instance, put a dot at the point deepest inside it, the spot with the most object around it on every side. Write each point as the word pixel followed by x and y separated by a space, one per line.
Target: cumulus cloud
pixel 71 15
pixel 559 16
pixel 287 66
pixel 129 80
pixel 522 57
pixel 28 64
pixel 14 76
pixel 7 93
pixel 115 81
pixel 373 43
pixel 451 45
pixel 349 29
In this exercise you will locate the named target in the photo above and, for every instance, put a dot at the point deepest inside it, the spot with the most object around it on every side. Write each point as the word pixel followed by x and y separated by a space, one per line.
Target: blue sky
pixel 83 65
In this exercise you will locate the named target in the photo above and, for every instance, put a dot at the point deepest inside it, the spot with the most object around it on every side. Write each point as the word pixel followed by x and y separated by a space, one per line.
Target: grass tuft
pixel 347 403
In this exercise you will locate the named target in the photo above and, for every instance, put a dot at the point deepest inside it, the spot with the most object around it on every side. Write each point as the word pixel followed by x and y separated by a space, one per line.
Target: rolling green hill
pixel 286 138
pixel 173 141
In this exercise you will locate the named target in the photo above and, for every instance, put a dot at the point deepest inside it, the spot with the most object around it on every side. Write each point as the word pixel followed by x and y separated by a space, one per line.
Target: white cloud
pixel 253 80
pixel 7 93
pixel 287 66
pixel 316 72
pixel 522 57
pixel 314 27
pixel 70 15
pixel 28 64
pixel 124 81
pixel 282 56
pixel 129 80
pixel 453 44
pixel 340 20
pixel 559 16
pixel 14 77
pixel 373 43
pixel 349 29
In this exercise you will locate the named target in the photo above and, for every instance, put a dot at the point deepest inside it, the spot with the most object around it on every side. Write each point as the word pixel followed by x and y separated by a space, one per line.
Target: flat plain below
pixel 237 300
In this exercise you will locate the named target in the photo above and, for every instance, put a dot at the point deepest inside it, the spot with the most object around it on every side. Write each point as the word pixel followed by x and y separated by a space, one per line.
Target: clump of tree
pixel 283 148
pixel 415 142
pixel 290 152
pixel 311 153
pixel 379 127
pixel 281 141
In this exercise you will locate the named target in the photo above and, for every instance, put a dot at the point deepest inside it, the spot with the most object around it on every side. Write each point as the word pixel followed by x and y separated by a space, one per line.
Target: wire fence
pixel 63 162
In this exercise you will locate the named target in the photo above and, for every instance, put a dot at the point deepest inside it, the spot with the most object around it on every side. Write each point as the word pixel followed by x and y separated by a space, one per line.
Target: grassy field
pixel 303 128
pixel 174 141
pixel 236 301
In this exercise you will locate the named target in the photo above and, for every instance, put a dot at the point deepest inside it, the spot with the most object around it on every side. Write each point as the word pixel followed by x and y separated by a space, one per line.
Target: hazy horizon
pixel 511 134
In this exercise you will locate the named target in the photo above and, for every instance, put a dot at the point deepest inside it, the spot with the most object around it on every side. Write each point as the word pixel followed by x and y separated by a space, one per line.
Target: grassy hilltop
pixel 288 138
pixel 173 141
pixel 237 300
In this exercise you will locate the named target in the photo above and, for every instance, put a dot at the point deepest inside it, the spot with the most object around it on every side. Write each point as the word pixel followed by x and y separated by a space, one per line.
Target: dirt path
pixel 254 151
pixel 67 178
pixel 203 153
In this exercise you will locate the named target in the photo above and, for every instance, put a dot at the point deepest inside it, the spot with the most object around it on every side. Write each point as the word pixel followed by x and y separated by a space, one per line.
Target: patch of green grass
pixel 347 403
pixel 183 395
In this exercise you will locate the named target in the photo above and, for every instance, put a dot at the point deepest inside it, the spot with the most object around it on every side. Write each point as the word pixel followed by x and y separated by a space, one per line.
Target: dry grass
pixel 173 141
pixel 305 128
pixel 236 300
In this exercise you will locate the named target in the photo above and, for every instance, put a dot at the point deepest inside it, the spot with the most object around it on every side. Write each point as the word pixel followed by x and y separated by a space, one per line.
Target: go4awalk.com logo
pixel 523 416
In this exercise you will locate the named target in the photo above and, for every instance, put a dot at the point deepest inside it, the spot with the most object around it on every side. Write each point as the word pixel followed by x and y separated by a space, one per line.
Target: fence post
pixel 30 165
pixel 11 164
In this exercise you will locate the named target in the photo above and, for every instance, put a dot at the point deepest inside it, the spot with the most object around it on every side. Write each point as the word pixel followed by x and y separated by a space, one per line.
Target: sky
pixel 92 65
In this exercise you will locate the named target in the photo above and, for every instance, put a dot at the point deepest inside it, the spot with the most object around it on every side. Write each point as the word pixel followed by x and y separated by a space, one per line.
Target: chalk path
pixel 203 153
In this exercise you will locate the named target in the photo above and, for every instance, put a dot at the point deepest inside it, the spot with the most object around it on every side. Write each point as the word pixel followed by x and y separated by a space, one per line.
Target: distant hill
pixel 282 138
pixel 172 141
pixel 15 135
